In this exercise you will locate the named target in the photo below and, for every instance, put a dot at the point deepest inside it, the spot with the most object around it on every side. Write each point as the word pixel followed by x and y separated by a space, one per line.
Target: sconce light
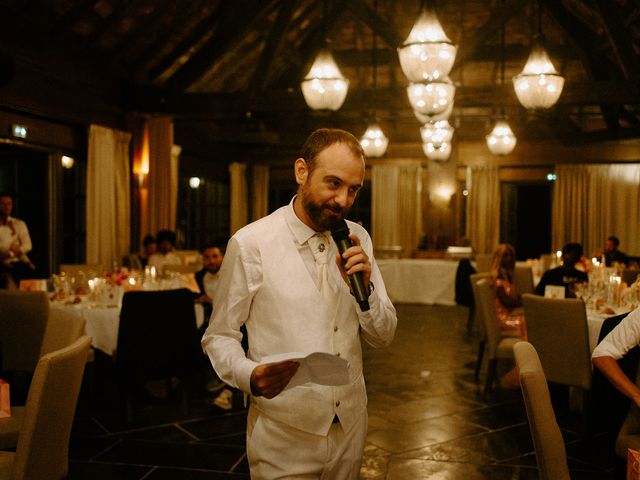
pixel 195 182
pixel 67 162
pixel 19 131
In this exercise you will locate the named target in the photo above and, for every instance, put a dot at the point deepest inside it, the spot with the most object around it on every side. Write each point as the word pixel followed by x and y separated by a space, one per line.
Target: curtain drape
pixel 396 207
pixel 592 202
pixel 483 211
pixel 260 191
pixel 163 176
pixel 108 196
pixel 238 215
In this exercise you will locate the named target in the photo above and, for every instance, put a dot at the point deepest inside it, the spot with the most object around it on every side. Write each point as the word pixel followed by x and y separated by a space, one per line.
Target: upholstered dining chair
pixel 43 444
pixel 23 320
pixel 477 319
pixel 63 329
pixel 551 455
pixel 156 341
pixel 498 346
pixel 523 278
pixel 557 328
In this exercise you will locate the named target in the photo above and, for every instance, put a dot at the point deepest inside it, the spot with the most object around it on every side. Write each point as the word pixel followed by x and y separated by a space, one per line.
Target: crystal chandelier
pixel 431 98
pixel 422 118
pixel 374 142
pixel 539 85
pixel 427 53
pixel 437 132
pixel 501 140
pixel 324 87
pixel 439 153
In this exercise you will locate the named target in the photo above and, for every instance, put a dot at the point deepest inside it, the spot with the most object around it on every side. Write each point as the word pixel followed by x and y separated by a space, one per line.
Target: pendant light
pixel 501 140
pixel 431 98
pixel 427 53
pixel 539 85
pixel 439 153
pixel 324 87
pixel 374 142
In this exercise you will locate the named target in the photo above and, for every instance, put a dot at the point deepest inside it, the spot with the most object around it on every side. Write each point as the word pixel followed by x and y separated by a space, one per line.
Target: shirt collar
pixel 300 230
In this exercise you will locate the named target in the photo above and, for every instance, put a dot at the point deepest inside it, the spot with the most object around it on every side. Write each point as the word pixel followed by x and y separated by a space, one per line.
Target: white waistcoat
pixel 288 311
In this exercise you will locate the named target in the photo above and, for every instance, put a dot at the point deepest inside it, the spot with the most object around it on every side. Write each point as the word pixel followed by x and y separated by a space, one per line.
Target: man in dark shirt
pixel 565 275
pixel 611 252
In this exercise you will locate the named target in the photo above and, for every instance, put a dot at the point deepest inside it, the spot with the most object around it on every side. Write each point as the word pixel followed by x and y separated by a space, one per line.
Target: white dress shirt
pixel 14 232
pixel 621 339
pixel 161 260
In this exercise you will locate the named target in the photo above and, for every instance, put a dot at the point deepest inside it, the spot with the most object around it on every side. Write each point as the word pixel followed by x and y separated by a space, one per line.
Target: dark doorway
pixel 525 219
pixel 24 175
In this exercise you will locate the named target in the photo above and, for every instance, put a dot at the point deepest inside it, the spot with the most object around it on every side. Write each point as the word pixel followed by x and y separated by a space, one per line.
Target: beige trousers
pixel 277 451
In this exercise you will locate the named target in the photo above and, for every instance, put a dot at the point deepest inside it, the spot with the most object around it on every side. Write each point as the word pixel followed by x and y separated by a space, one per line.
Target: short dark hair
pixel 6 194
pixel 209 245
pixel 572 252
pixel 615 240
pixel 148 240
pixel 166 235
pixel 325 137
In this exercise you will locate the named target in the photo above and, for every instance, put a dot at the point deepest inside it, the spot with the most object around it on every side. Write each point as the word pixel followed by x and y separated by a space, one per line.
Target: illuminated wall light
pixel 67 162
pixel 551 177
pixel 195 182
pixel 19 131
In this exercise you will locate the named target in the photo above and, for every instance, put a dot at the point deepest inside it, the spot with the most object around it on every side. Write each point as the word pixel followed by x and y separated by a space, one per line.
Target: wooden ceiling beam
pixel 499 16
pixel 272 46
pixel 367 15
pixel 122 10
pixel 229 31
pixel 619 38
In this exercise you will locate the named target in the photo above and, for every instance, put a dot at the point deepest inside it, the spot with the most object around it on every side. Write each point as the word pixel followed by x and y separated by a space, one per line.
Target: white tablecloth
pixel 423 281
pixel 102 323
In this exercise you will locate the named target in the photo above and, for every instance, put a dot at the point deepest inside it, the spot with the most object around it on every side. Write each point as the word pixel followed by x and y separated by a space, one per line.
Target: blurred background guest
pixel 140 260
pixel 612 253
pixel 166 240
pixel 15 244
pixel 566 275
pixel 207 277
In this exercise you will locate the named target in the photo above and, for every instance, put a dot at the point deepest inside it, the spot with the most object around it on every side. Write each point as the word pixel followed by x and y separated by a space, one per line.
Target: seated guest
pixel 509 310
pixel 207 277
pixel 165 255
pixel 612 253
pixel 566 275
pixel 140 260
pixel 15 244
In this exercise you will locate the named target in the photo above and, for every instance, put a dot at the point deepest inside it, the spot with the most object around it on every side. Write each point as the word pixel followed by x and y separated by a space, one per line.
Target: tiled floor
pixel 426 420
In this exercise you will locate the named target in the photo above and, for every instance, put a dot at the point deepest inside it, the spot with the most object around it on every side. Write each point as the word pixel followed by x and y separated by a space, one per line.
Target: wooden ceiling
pixel 229 70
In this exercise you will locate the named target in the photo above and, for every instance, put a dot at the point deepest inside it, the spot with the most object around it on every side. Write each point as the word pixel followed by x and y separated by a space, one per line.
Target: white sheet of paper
pixel 318 367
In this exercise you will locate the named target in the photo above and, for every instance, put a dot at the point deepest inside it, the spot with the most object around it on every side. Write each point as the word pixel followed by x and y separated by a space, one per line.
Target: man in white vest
pixel 275 283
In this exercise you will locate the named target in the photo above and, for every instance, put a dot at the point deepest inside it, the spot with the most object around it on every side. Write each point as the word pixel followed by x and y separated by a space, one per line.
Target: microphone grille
pixel 339 230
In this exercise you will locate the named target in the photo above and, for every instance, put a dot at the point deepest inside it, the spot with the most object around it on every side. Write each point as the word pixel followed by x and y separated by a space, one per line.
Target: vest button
pixel 338 403
pixel 338 354
pixel 335 329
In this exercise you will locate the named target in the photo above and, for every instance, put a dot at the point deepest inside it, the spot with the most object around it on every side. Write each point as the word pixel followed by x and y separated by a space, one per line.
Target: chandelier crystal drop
pixel 431 98
pixel 324 87
pixel 438 132
pixel 427 53
pixel 501 140
pixel 539 85
pixel 374 142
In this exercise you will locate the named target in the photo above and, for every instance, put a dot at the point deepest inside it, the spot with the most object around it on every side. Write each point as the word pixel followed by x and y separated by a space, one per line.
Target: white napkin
pixel 318 367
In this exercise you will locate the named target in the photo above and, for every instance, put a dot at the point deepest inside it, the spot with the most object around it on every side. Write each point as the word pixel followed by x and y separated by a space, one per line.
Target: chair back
pixel 23 320
pixel 157 337
pixel 486 304
pixel 483 262
pixel 63 328
pixel 477 312
pixel 551 455
pixel 557 328
pixel 523 278
pixel 43 445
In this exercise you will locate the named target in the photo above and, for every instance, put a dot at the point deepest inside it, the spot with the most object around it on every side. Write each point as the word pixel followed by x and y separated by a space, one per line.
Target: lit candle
pixel 132 281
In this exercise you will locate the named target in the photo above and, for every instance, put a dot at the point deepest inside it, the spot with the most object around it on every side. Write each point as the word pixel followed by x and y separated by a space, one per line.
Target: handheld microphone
pixel 340 234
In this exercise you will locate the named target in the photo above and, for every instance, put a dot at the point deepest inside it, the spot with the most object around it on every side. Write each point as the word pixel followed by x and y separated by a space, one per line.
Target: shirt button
pixel 338 354
pixel 321 247
pixel 335 329
pixel 338 403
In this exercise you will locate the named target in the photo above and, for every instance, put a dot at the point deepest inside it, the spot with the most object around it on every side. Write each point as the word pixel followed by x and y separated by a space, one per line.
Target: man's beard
pixel 212 269
pixel 318 213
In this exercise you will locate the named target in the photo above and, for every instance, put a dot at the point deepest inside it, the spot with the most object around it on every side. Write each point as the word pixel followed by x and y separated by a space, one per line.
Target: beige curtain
pixel 163 176
pixel 483 212
pixel 396 206
pixel 108 193
pixel 238 215
pixel 592 202
pixel 260 194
